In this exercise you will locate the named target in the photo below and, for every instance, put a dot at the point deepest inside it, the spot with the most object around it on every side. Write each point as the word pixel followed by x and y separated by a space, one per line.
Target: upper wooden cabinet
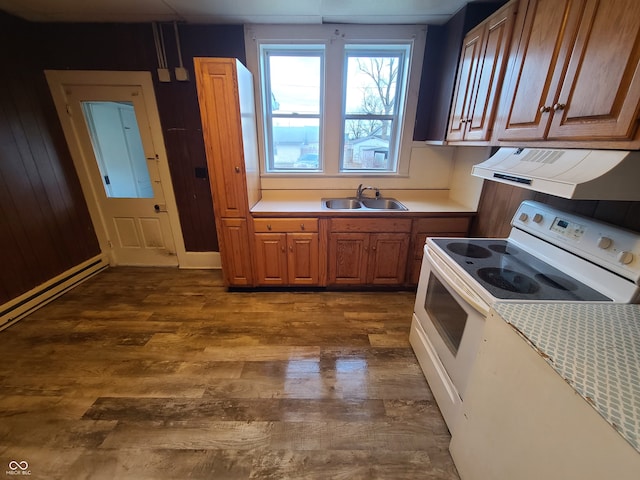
pixel 439 67
pixel 480 73
pixel 225 94
pixel 575 75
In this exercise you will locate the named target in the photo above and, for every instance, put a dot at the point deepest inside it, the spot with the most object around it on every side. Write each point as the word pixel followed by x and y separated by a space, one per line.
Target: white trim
pixel 57 80
pixel 338 35
pixel 202 260
pixel 21 306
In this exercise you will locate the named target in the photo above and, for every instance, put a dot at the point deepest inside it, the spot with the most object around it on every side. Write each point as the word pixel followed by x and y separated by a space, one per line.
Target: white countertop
pixel 595 348
pixel 309 201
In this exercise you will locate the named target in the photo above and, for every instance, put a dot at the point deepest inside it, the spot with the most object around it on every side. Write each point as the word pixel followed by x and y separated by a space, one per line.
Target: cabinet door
pixel 303 259
pixel 533 78
pixel 432 227
pixel 467 68
pixel 490 71
pixel 234 248
pixel 388 258
pixel 222 130
pixel 601 91
pixel 348 256
pixel 271 258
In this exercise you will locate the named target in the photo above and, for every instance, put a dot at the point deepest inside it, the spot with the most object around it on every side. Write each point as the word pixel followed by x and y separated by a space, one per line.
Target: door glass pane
pixel 118 149
pixel 448 317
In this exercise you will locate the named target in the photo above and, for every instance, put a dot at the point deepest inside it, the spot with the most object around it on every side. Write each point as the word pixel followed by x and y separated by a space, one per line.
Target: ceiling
pixel 433 12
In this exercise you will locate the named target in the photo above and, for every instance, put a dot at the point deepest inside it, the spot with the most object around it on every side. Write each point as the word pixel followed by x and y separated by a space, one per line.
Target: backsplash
pixel 499 202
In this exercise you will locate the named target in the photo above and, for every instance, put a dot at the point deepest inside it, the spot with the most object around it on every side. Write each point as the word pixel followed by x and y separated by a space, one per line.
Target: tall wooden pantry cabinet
pixel 227 108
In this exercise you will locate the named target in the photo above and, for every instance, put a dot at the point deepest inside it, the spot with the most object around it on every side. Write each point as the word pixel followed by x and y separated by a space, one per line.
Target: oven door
pixel 452 318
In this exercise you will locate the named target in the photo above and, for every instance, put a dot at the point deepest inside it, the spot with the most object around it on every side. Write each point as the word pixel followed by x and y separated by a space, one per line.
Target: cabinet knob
pixel 291 248
pixel 268 226
pixel 544 109
pixel 559 106
pixel 237 169
pixel 282 249
pixel 302 226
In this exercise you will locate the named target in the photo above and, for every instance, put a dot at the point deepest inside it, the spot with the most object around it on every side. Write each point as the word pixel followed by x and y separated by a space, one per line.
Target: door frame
pixel 57 79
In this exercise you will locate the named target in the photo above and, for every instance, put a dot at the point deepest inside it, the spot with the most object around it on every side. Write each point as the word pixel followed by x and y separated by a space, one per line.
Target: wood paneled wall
pixel 44 221
pixel 131 47
pixel 45 225
pixel 499 202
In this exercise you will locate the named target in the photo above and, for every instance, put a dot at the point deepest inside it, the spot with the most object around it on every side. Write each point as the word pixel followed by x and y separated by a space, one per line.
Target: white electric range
pixel 549 256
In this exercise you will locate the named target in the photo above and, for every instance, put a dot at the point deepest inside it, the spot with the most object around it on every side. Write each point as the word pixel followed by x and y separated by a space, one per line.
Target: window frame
pixel 335 38
pixel 310 50
pixel 397 116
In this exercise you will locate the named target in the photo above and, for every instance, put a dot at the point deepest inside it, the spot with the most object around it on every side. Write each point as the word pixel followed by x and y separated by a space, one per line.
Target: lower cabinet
pixel 432 227
pixel 287 251
pixel 370 251
pixel 347 251
pixel 235 252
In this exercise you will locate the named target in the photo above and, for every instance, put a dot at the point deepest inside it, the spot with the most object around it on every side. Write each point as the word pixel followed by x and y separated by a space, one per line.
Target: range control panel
pixel 612 247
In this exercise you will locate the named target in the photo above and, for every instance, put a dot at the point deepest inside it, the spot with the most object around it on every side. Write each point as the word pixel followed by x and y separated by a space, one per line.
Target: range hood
pixel 568 173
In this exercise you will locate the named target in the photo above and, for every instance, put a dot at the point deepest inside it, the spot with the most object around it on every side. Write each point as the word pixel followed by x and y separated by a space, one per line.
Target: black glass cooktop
pixel 512 274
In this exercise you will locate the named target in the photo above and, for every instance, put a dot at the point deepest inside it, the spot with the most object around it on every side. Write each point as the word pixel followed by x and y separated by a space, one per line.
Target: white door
pixel 111 139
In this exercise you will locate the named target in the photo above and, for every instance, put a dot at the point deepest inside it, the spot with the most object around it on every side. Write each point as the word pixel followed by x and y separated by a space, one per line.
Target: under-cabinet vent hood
pixel 577 174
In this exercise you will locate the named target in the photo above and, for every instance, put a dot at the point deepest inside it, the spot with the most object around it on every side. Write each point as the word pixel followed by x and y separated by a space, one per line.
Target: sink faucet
pixel 361 189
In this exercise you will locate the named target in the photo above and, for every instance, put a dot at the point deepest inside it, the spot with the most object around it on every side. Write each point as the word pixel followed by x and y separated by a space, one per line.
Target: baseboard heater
pixel 36 298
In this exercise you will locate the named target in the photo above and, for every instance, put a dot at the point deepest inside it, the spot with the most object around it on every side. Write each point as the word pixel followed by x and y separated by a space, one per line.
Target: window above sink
pixel 325 118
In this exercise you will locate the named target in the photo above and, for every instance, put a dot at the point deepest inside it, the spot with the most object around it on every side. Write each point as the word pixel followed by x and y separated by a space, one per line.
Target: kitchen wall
pixel 45 227
pixel 499 202
pixel 44 219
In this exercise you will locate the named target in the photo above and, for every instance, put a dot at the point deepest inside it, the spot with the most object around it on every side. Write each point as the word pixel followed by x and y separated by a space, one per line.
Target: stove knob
pixel 625 257
pixel 604 242
pixel 537 218
pixel 523 217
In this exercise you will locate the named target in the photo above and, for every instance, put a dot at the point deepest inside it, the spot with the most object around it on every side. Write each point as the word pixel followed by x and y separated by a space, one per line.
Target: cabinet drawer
pixel 371 225
pixel 443 225
pixel 266 225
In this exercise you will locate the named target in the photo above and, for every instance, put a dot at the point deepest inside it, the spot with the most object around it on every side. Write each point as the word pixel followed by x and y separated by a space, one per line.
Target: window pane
pixel 366 145
pixel 370 110
pixel 295 84
pixel 296 143
pixel 371 84
pixel 118 149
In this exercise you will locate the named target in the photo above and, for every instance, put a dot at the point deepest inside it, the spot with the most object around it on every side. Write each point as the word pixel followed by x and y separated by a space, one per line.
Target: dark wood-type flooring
pixel 163 374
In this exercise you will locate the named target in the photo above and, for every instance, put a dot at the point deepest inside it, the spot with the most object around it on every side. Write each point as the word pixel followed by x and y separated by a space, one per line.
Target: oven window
pixel 448 317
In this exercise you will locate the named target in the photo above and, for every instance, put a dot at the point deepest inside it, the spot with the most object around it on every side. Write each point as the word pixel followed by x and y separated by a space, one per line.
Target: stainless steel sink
pixel 382 204
pixel 341 203
pixel 364 204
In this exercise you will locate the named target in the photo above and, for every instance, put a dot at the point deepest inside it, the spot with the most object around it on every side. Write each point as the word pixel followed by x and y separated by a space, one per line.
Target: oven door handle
pixel 455 282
